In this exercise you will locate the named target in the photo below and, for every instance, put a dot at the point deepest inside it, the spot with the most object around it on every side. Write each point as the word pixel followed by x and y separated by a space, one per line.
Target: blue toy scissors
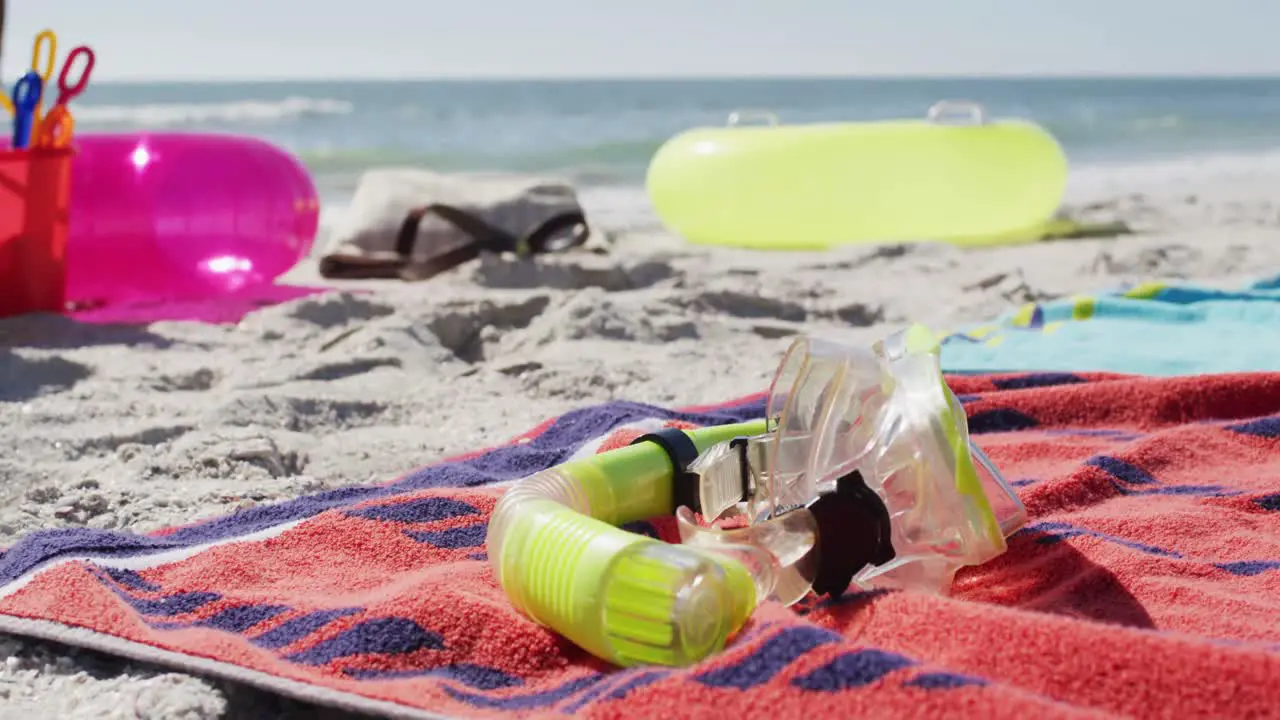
pixel 46 41
pixel 26 98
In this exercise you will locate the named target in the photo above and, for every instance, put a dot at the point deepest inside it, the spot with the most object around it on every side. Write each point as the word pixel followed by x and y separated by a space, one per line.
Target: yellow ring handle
pixel 976 114
pixel 745 117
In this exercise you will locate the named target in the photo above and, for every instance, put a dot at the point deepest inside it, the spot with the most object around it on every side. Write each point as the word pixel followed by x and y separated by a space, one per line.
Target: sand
pixel 144 427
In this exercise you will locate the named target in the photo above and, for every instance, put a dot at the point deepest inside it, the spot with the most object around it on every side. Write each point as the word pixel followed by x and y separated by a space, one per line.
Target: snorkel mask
pixel 861 475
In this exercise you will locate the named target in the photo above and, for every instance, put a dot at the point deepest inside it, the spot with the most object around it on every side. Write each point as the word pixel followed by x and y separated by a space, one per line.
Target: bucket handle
pixel 964 108
pixel 745 117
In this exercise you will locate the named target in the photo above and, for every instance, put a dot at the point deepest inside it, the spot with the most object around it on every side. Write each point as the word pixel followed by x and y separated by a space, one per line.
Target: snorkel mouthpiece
pixel 862 474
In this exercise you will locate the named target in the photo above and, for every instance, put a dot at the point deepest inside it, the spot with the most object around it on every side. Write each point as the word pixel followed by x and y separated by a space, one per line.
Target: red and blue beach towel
pixel 1146 584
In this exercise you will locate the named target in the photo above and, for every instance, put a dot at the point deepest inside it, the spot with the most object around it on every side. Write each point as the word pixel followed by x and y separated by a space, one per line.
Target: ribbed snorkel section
pixel 555 541
pixel 624 597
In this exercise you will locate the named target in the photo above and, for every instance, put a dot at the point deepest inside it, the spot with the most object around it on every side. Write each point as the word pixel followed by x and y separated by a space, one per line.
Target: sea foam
pixel 166 115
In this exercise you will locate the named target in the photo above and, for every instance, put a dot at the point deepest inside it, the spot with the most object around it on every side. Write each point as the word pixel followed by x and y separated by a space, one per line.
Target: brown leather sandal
pixel 561 232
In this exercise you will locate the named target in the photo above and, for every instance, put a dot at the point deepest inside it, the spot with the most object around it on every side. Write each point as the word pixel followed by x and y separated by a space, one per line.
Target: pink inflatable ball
pixel 184 216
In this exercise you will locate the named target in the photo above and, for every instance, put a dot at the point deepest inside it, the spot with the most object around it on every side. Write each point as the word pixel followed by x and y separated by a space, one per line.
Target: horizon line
pixel 229 80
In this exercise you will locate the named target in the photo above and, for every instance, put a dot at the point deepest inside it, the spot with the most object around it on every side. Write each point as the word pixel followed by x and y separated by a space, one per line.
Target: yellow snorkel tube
pixel 862 475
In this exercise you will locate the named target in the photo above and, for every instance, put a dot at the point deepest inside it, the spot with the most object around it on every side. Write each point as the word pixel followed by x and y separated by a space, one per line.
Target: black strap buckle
pixel 680 449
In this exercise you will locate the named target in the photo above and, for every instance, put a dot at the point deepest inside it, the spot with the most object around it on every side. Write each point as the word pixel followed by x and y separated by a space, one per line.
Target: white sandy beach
pixel 141 428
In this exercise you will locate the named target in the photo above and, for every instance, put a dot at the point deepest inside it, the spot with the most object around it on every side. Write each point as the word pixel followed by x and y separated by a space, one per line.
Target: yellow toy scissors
pixel 49 39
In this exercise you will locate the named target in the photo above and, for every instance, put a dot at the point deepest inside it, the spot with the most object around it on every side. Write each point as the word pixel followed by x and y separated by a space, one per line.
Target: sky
pixel 344 39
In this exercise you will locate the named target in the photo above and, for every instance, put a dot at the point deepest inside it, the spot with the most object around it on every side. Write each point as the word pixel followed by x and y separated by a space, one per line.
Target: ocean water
pixel 602 133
